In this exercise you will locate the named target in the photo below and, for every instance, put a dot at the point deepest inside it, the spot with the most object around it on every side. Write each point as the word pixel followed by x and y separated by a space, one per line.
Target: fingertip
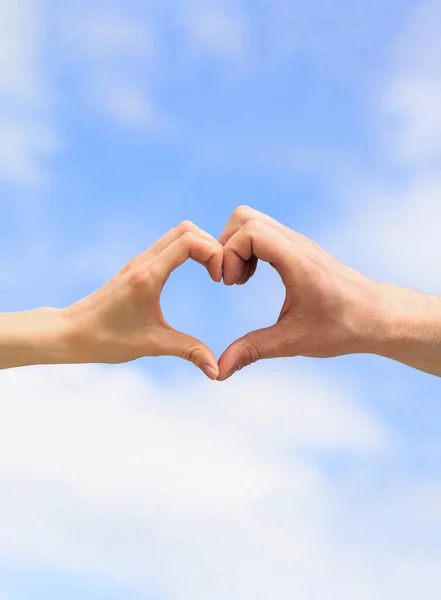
pixel 218 276
pixel 228 373
pixel 230 278
pixel 220 265
pixel 244 279
pixel 227 364
pixel 210 372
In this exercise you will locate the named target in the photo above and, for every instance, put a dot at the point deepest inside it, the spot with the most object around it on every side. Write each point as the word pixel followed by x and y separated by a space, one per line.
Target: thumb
pixel 257 345
pixel 176 343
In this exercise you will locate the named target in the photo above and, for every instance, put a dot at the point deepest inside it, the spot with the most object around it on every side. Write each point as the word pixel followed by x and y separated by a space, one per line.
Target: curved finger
pixel 238 219
pixel 170 237
pixel 248 270
pixel 190 245
pixel 258 239
pixel 175 233
pixel 242 214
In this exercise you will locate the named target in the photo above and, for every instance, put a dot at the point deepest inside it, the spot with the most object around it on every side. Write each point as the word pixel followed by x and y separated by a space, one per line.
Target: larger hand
pixel 123 321
pixel 327 306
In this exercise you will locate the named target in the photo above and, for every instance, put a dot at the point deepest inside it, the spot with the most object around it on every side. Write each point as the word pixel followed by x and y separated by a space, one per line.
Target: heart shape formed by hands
pixel 123 320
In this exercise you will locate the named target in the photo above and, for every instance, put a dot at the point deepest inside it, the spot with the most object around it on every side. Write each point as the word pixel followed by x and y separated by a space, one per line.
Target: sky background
pixel 297 478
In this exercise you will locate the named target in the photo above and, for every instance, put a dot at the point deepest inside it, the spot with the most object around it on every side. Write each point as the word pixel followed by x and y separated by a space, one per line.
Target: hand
pixel 123 321
pixel 327 307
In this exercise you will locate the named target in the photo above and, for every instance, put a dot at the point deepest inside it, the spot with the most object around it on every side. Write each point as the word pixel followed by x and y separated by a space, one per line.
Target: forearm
pixel 407 328
pixel 34 337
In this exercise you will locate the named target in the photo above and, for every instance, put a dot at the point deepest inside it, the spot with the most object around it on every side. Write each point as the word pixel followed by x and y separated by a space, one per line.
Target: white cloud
pixel 392 227
pixel 125 103
pixel 25 141
pixel 122 55
pixel 20 50
pixel 414 103
pixel 395 232
pixel 27 134
pixel 115 56
pixel 412 98
pixel 216 29
pixel 115 241
pixel 103 471
pixel 105 31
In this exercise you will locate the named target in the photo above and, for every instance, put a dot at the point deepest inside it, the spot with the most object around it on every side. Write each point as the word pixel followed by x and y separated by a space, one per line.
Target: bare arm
pixel 34 337
pixel 330 309
pixel 410 328
pixel 120 322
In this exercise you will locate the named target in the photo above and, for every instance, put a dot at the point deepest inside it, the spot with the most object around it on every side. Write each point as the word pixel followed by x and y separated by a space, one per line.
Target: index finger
pixel 238 219
pixel 191 245
pixel 257 238
pixel 242 214
pixel 174 234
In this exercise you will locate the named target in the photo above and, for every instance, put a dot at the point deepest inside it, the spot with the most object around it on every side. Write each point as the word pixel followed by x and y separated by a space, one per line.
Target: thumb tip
pixel 229 373
pixel 239 355
pixel 210 372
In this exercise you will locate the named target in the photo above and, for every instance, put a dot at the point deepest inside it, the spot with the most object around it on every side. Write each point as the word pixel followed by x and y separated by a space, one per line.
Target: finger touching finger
pixel 244 270
pixel 175 343
pixel 258 239
pixel 248 270
pixel 176 233
pixel 257 345
pixel 243 214
pixel 191 245
pixel 170 237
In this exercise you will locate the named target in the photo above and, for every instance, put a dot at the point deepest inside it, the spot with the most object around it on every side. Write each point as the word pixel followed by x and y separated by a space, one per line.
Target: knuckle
pixel 190 353
pixel 143 279
pixel 252 353
pixel 243 212
pixel 153 272
pixel 228 252
pixel 137 279
pixel 186 226
pixel 254 225
pixel 128 268
pixel 189 238
pixel 218 249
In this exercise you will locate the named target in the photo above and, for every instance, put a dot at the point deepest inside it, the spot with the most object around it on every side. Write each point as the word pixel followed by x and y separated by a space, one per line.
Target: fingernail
pixel 210 372
pixel 230 373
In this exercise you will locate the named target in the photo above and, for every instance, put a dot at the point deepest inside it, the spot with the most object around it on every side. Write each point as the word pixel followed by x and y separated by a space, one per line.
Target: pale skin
pixel 330 309
pixel 120 322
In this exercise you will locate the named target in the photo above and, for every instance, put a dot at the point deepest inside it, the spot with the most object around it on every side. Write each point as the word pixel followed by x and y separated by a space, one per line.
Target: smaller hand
pixel 327 304
pixel 123 320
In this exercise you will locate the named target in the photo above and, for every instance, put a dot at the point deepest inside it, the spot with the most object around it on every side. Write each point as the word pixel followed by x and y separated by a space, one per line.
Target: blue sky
pixel 298 478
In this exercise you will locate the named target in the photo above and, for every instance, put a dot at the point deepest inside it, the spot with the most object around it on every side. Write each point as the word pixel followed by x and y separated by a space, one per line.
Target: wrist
pixel 374 319
pixel 364 320
pixel 406 326
pixel 50 337
pixel 88 340
pixel 34 337
pixel 80 336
